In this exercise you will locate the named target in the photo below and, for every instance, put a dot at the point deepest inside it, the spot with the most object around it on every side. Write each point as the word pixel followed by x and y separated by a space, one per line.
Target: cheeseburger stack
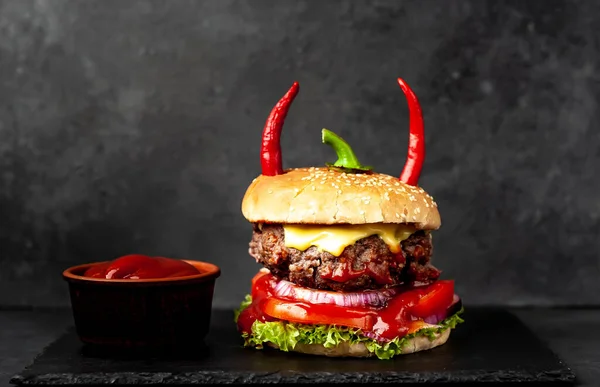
pixel 346 254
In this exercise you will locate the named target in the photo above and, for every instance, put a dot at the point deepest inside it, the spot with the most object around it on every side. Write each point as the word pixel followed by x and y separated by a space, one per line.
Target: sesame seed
pixel 270 191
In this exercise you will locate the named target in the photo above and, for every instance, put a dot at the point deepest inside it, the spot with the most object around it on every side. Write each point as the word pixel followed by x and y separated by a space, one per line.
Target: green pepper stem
pixel 346 157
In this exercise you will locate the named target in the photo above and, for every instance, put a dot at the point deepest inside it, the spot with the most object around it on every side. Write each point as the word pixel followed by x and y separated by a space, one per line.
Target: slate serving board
pixel 492 346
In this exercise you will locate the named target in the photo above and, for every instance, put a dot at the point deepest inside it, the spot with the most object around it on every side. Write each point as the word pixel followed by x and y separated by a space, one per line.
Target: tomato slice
pixel 261 272
pixel 436 299
pixel 299 312
pixel 405 312
pixel 414 326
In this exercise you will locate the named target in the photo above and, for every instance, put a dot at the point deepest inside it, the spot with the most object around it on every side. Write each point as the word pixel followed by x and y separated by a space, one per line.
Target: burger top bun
pixel 331 196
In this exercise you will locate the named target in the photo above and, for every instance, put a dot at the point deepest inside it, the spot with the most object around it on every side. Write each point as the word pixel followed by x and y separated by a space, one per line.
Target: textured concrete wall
pixel 134 126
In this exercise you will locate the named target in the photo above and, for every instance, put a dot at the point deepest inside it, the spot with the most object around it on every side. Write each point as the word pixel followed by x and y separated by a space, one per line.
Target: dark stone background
pixel 134 126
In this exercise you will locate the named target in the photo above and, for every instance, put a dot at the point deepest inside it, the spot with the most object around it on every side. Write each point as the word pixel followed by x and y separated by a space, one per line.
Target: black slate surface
pixel 493 346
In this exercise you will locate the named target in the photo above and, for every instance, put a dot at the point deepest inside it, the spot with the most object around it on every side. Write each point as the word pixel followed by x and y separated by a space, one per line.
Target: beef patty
pixel 367 264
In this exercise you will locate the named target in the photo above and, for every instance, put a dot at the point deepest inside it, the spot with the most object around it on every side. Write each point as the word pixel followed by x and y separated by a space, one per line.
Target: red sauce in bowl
pixel 136 266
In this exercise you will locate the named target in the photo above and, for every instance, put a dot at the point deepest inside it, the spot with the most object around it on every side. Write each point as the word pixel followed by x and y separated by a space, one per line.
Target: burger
pixel 346 253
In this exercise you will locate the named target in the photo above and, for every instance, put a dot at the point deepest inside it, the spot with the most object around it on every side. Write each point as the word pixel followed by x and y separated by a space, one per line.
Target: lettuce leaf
pixel 286 335
pixel 246 303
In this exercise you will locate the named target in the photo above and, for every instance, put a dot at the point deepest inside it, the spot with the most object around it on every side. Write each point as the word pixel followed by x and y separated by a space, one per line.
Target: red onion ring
pixel 374 298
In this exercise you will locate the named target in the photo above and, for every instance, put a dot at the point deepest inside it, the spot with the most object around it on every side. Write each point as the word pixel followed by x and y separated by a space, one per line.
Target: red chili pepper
pixel 416 143
pixel 270 152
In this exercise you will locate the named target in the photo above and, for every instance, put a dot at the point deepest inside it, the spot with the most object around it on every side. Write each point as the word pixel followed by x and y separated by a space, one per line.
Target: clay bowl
pixel 146 314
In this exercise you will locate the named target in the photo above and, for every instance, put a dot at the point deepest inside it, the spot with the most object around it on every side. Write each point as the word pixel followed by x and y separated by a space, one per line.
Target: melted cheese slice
pixel 334 239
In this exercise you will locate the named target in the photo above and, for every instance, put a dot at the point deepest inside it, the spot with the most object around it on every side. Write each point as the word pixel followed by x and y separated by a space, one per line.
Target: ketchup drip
pixel 401 316
pixel 262 288
pixel 344 271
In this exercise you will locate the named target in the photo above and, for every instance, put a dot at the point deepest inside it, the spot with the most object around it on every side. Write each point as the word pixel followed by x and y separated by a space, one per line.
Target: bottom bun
pixel 415 344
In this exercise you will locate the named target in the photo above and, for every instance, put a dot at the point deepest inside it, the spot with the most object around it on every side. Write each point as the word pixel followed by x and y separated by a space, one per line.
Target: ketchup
pixel 396 319
pixel 344 272
pixel 136 266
